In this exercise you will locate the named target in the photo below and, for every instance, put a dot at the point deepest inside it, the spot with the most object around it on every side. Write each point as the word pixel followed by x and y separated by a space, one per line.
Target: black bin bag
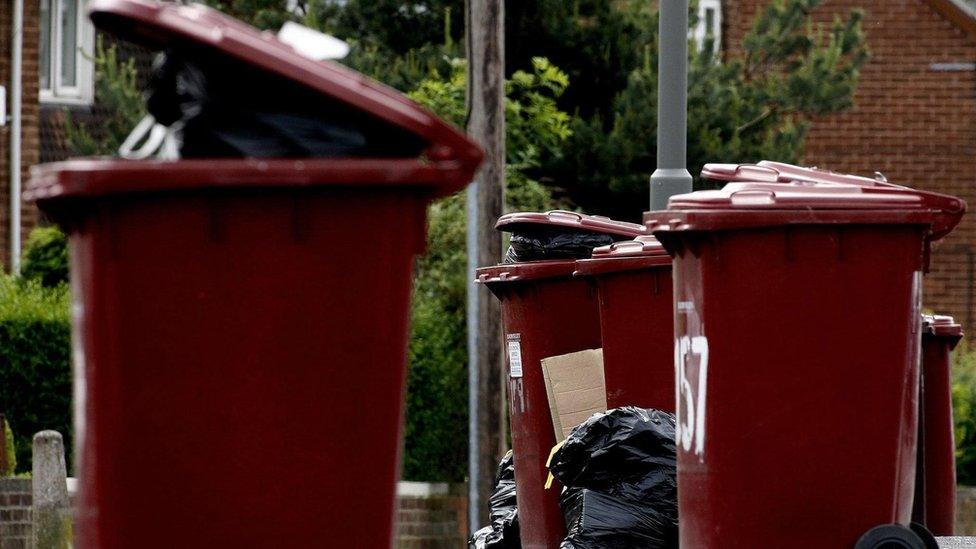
pixel 561 234
pixel 544 243
pixel 620 490
pixel 222 107
pixel 503 532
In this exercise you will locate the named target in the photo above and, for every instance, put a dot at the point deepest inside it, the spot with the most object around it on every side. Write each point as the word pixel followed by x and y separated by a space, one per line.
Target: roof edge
pixel 958 13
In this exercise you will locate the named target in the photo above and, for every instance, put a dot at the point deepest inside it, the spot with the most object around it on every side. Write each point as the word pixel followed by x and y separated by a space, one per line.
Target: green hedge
pixel 35 363
pixel 964 408
pixel 46 257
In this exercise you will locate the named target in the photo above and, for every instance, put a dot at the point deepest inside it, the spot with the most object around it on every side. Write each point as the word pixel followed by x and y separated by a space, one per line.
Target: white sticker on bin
pixel 514 355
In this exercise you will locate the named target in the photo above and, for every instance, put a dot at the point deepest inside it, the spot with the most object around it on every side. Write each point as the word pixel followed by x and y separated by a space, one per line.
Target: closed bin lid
pixel 446 165
pixel 644 252
pixel 770 193
pixel 942 326
pixel 562 219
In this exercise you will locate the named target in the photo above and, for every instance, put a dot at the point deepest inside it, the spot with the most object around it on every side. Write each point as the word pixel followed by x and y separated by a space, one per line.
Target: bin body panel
pixel 935 496
pixel 797 361
pixel 638 337
pixel 551 316
pixel 240 362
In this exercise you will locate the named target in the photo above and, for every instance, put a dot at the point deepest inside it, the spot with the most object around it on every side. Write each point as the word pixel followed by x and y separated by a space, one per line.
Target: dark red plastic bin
pixel 633 282
pixel 935 484
pixel 240 325
pixel 797 317
pixel 546 311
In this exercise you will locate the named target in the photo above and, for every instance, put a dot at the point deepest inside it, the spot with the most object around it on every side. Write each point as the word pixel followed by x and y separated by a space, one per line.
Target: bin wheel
pixel 928 538
pixel 890 536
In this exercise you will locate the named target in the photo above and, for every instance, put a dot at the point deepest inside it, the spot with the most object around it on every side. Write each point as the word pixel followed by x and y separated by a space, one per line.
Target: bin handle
pixel 757 172
pixel 753 196
pixel 623 244
pixel 564 213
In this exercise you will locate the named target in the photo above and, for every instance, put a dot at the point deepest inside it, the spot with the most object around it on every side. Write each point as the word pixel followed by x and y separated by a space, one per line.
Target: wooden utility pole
pixel 486 198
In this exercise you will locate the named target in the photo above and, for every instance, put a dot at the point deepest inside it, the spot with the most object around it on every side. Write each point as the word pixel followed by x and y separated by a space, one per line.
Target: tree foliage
pixel 743 109
pixel 436 428
pixel 118 100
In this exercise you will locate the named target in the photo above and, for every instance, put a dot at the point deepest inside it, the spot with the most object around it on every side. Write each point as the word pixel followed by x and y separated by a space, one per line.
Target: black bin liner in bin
pixel 542 243
pixel 228 108
pixel 618 470
pixel 503 532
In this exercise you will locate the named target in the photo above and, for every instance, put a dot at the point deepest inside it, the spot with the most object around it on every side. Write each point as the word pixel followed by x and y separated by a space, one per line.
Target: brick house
pixel 29 115
pixel 57 70
pixel 914 117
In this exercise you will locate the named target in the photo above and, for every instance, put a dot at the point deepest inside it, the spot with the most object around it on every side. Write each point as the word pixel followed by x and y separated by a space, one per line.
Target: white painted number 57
pixel 691 360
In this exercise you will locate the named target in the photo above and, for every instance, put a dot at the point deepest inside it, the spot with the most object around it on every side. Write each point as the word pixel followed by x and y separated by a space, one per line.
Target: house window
pixel 709 27
pixel 66 67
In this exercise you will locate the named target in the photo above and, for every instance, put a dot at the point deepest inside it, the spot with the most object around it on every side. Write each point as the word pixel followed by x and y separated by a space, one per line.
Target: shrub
pixel 117 99
pixel 35 365
pixel 10 449
pixel 46 257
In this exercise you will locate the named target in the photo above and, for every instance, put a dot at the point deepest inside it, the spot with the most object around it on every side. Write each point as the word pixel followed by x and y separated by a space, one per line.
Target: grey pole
pixel 671 176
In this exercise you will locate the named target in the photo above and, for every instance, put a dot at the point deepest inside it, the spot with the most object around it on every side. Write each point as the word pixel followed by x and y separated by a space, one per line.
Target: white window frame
pixel 83 92
pixel 699 32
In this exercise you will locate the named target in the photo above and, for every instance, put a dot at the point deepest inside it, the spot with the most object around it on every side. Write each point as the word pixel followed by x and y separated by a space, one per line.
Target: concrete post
pixel 51 511
pixel 671 176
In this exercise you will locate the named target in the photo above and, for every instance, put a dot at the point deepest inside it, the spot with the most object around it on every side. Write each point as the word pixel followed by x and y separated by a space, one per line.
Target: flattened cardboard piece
pixel 576 388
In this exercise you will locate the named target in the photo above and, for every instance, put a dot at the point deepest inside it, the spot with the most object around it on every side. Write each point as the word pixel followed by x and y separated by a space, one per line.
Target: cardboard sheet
pixel 576 388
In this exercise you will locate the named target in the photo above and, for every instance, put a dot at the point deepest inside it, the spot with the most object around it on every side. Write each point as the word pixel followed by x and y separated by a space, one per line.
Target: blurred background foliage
pixel 581 114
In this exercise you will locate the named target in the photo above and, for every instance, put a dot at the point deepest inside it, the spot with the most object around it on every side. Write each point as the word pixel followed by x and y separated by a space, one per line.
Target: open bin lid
pixel 942 326
pixel 644 252
pixel 771 193
pixel 446 165
pixel 562 219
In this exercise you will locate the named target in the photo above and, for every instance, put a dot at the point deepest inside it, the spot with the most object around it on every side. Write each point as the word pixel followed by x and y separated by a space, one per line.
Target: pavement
pixel 957 543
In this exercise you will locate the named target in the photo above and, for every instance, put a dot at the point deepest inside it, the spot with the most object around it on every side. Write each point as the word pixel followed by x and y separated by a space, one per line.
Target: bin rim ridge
pixel 525 272
pixel 94 177
pixel 663 223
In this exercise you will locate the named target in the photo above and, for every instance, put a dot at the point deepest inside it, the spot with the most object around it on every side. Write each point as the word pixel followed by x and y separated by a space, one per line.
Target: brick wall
pixel 15 517
pixel 912 122
pixel 30 139
pixel 433 522
pixel 436 519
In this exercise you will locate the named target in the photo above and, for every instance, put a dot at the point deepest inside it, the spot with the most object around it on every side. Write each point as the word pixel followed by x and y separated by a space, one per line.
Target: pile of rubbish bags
pixel 618 471
pixel 503 532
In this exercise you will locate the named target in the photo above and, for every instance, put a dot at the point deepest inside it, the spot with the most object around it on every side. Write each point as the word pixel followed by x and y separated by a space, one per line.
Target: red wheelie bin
pixel 240 324
pixel 633 282
pixel 546 311
pixel 935 482
pixel 797 323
